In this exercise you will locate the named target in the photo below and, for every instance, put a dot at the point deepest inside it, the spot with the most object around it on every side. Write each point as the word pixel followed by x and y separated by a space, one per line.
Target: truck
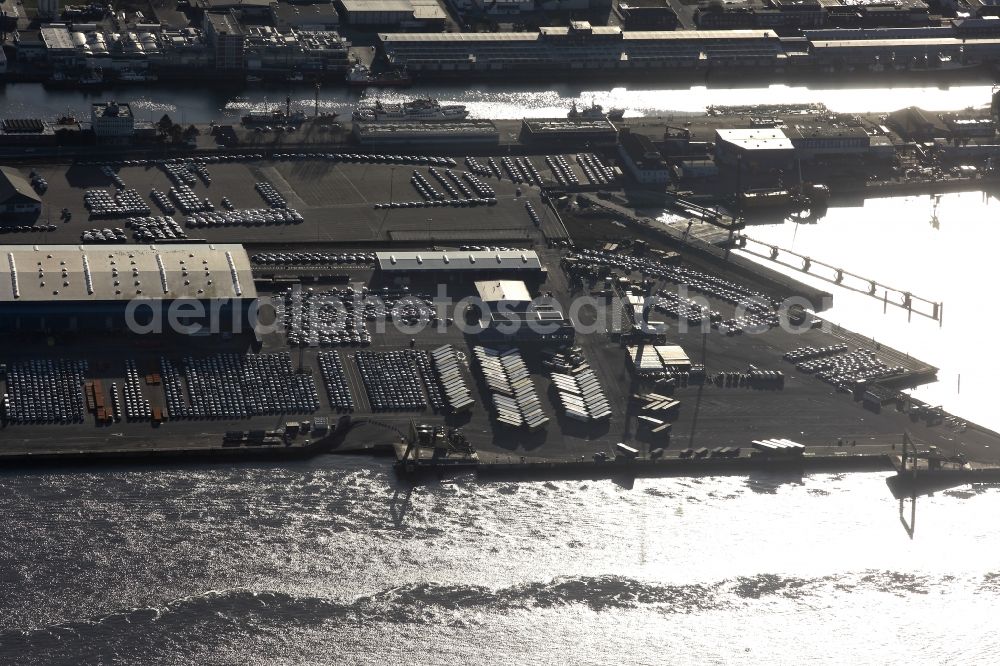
pixel 625 451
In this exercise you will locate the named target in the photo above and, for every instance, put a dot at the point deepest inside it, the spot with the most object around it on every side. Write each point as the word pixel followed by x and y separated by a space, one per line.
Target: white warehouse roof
pixel 757 138
pixel 505 260
pixel 495 291
pixel 54 273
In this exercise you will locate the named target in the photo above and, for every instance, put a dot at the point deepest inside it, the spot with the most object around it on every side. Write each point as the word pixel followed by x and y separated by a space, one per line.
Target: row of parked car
pixel 326 318
pixel 686 309
pixel 435 393
pixel 148 229
pixel 477 167
pixel 434 203
pixel 253 217
pixel 234 386
pixel 116 235
pixel 180 173
pixel 271 195
pixel 561 169
pixel 479 186
pixel 335 381
pixel 752 302
pixel 390 380
pixel 846 370
pixel 800 354
pixel 594 169
pixel 188 201
pixel 45 391
pixel 312 258
pixel 103 204
pixel 113 175
pixel 447 184
pixel 162 201
pixel 25 228
pixel 137 406
pixel 369 158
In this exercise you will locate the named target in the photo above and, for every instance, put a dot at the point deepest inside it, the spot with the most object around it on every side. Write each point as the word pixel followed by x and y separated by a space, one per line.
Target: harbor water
pixel 484 101
pixel 333 561
pixel 937 247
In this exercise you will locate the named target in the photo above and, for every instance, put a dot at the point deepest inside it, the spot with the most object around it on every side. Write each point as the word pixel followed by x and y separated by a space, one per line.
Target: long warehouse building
pixel 520 261
pixel 55 288
pixel 586 49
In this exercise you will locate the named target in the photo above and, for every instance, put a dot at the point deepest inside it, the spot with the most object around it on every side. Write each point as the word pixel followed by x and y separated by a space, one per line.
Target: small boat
pixel 130 76
pixel 361 75
pixel 253 79
pixel 594 112
pixel 92 77
pixel 417 109
pixel 295 76
pixel 275 117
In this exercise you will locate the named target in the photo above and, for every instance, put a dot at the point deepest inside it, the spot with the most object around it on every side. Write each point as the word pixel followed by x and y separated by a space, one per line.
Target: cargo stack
pixel 655 402
pixel 513 393
pixel 778 447
pixel 581 396
pixel 453 385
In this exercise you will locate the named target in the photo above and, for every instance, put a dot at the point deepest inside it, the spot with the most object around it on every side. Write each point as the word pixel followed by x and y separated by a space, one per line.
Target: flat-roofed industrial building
pixel 526 261
pixel 758 147
pixel 57 288
pixel 509 314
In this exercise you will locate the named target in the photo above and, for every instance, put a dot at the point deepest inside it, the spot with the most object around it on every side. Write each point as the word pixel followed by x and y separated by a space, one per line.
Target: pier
pixel 901 298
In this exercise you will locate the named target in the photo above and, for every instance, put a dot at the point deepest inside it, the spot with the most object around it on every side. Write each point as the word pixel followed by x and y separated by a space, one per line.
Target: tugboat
pixel 361 75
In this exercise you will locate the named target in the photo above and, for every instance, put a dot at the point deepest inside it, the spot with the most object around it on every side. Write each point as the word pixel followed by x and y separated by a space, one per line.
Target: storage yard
pixel 697 361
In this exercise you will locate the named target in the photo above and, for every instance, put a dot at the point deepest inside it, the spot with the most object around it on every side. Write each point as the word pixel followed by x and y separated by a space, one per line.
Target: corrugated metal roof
pixel 119 273
pixel 525 260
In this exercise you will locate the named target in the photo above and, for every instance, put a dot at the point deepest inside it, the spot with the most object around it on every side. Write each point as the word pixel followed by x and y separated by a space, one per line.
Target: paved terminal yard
pixel 806 410
pixel 337 201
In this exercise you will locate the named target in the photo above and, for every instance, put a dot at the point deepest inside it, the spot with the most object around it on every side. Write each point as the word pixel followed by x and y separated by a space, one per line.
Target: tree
pixel 191 132
pixel 176 133
pixel 165 124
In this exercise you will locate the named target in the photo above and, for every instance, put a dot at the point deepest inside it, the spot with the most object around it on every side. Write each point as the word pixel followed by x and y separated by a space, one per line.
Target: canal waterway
pixel 202 105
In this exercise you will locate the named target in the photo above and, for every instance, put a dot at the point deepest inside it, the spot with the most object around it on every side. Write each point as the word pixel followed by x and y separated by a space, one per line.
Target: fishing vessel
pixel 361 75
pixel 417 109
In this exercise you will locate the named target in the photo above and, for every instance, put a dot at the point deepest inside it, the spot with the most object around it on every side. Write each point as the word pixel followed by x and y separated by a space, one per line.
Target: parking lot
pixel 324 198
